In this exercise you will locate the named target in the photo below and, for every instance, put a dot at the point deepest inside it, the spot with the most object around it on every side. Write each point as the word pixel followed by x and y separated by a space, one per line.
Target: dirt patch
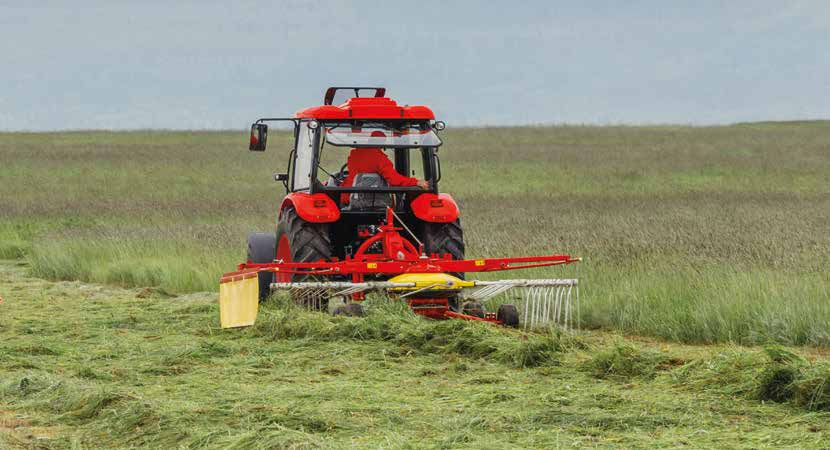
pixel 20 431
pixel 11 421
pixel 152 292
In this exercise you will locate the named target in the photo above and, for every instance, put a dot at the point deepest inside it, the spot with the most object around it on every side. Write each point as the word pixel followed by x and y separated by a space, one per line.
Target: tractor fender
pixel 314 208
pixel 438 208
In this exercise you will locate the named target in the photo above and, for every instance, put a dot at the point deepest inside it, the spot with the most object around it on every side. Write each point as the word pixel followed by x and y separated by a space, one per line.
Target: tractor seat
pixel 369 201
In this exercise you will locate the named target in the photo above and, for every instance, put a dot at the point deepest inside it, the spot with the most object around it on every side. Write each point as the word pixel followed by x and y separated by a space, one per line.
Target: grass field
pixel 86 366
pixel 691 234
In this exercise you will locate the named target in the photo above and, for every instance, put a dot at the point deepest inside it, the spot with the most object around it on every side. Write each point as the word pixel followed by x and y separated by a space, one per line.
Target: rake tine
pixel 351 290
pixel 495 290
pixel 556 305
pixel 559 306
pixel 568 307
pixel 482 293
pixel 489 291
pixel 422 289
pixel 536 306
pixel 531 297
pixel 548 305
pixel 531 308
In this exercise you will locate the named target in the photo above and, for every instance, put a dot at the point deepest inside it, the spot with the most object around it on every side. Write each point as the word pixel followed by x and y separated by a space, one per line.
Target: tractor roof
pixel 365 108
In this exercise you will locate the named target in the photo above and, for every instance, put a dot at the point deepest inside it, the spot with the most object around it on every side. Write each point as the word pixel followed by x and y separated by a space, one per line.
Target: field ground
pixel 89 366
pixel 113 244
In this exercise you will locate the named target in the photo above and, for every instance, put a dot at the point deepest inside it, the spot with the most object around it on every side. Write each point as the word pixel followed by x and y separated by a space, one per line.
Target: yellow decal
pixel 479 262
pixel 371 265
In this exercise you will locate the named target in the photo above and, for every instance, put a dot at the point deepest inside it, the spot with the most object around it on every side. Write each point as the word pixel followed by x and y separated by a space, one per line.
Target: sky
pixel 211 65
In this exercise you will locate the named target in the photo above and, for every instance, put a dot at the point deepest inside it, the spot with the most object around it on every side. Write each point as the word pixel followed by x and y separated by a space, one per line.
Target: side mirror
pixel 259 137
pixel 283 177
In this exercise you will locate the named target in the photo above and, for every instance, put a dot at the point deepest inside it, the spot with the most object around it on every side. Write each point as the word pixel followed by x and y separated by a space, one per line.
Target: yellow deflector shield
pixel 238 300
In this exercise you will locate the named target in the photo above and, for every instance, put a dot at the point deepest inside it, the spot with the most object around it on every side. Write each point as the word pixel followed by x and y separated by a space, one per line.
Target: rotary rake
pixel 423 281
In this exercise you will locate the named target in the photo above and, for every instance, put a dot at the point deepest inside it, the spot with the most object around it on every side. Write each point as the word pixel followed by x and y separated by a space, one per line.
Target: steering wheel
pixel 344 172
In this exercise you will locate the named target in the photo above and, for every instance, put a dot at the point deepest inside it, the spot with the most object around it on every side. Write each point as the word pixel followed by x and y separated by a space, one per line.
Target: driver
pixel 373 160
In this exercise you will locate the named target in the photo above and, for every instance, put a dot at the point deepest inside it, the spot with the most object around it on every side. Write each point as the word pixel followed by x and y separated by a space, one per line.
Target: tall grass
pixel 694 234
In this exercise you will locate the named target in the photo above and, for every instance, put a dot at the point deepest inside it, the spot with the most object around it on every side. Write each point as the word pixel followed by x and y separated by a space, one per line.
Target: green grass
pixel 694 234
pixel 89 366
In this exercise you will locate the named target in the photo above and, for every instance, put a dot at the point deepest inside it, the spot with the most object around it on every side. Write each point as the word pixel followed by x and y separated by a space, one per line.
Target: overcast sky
pixel 205 65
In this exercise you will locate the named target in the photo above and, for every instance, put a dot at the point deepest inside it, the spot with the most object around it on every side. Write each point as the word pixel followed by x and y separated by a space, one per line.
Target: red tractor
pixel 341 234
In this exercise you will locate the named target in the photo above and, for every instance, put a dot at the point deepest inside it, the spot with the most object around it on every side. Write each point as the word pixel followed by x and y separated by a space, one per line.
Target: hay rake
pixel 540 302
pixel 423 281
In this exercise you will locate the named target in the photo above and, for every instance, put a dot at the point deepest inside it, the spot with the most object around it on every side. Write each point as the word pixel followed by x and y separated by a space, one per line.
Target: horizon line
pixel 464 127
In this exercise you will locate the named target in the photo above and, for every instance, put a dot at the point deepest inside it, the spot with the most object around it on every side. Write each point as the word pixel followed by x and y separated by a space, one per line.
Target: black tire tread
pixel 261 250
pixel 310 242
pixel 509 315
pixel 350 310
pixel 443 238
pixel 473 308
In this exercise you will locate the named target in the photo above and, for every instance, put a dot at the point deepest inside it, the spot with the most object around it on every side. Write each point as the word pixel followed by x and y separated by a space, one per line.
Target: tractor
pixel 340 236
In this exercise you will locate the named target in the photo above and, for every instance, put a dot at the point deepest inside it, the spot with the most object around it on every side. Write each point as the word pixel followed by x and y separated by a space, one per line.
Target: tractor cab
pixel 401 141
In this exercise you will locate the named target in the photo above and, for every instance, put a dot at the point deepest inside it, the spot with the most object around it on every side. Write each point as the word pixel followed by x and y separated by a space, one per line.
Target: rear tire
pixel 261 250
pixel 305 242
pixel 508 315
pixel 350 310
pixel 442 239
pixel 473 308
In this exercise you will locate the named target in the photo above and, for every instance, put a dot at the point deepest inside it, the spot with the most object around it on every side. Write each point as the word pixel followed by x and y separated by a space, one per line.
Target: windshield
pixel 386 135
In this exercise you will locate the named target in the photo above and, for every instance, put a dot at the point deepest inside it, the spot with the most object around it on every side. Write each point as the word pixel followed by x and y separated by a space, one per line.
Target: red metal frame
pixel 398 256
pixel 439 309
pixel 373 264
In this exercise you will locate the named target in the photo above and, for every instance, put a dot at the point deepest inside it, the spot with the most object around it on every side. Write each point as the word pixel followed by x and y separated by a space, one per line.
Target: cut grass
pixel 625 361
pixel 89 366
pixel 387 321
